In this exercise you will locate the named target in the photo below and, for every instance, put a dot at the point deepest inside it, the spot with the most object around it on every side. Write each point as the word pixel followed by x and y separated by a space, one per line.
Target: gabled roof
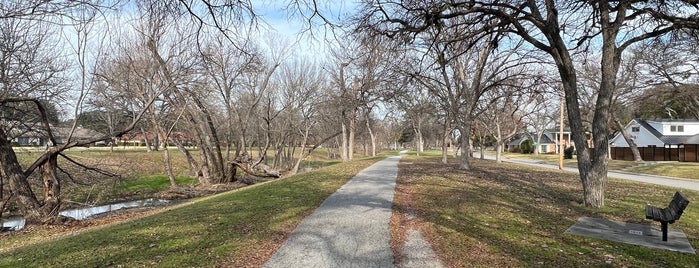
pixel 648 127
pixel 517 140
pixel 692 140
pixel 674 120
pixel 670 139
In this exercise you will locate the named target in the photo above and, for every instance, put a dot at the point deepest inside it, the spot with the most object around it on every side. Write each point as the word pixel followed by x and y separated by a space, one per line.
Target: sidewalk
pixel 679 183
pixel 350 228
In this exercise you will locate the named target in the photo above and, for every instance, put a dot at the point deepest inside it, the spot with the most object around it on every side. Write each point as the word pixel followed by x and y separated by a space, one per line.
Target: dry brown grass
pixel 506 215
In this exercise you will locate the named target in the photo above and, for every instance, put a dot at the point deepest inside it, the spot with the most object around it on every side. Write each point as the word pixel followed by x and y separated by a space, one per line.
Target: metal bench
pixel 669 214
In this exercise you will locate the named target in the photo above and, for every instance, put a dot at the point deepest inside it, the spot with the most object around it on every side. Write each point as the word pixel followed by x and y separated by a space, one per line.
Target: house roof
pixel 521 138
pixel 557 130
pixel 79 133
pixel 648 127
pixel 669 139
pixel 673 120
pixel 693 139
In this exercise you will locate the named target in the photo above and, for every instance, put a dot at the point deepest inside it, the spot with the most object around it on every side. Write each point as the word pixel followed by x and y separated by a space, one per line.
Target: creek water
pixel 15 223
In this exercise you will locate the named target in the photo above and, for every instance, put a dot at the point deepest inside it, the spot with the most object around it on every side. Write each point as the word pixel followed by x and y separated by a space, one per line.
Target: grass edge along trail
pixel 509 215
pixel 242 228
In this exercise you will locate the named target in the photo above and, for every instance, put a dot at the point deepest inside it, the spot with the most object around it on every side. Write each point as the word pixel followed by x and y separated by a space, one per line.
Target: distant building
pixel 550 139
pixel 659 140
pixel 23 136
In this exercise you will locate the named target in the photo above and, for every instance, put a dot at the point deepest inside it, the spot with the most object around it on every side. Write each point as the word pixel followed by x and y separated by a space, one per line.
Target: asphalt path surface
pixel 350 228
pixel 679 183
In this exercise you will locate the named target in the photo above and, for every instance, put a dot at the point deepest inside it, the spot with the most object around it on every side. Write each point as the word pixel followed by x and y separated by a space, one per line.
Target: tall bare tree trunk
pixel 19 186
pixel 632 144
pixel 352 132
pixel 445 139
pixel 464 162
pixel 193 165
pixel 419 143
pixel 302 154
pixel 168 164
pixel 343 140
pixel 52 187
pixel 145 138
pixel 371 136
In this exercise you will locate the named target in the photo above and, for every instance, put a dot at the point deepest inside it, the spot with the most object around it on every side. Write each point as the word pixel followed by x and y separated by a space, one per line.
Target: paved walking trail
pixel 653 179
pixel 350 228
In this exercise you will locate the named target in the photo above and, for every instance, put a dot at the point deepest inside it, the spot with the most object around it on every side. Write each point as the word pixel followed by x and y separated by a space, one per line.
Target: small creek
pixel 15 223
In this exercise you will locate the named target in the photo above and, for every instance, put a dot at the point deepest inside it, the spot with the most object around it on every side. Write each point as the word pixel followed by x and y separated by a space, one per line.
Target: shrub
pixel 527 147
pixel 568 152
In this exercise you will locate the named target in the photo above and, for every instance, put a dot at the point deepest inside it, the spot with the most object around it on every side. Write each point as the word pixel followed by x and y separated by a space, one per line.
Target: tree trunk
pixel 343 140
pixel 465 146
pixel 204 174
pixel 632 144
pixel 418 139
pixel 352 132
pixel 445 142
pixel 168 164
pixel 498 141
pixel 52 187
pixel 19 186
pixel 592 168
pixel 371 136
pixel 302 155
pixel 193 165
pixel 145 138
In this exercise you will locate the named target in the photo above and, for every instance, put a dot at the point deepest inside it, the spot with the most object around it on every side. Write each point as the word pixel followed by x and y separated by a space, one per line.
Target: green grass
pixel 235 229
pixel 672 169
pixel 151 184
pixel 507 215
pixel 141 173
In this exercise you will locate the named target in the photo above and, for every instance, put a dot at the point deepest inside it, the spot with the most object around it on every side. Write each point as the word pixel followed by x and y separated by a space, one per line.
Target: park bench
pixel 669 214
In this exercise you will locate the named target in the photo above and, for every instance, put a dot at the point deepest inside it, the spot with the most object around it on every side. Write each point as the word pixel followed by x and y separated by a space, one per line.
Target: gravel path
pixel 350 228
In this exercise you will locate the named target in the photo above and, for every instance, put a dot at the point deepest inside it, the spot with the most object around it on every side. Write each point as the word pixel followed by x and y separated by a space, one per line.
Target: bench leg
pixel 663 227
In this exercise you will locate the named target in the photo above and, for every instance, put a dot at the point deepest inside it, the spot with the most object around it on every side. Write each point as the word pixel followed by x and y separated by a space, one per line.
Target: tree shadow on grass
pixel 520 214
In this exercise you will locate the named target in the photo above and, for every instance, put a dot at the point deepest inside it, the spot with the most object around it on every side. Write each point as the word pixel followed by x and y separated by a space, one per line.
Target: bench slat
pixel 649 212
pixel 667 215
pixel 657 215
pixel 670 214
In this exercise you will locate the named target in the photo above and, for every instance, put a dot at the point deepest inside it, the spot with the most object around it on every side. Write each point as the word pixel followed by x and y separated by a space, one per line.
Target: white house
pixel 659 140
pixel 668 133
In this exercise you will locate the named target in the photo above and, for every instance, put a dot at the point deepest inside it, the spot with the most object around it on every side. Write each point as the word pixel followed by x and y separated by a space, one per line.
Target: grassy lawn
pixel 141 173
pixel 507 215
pixel 673 169
pixel 236 229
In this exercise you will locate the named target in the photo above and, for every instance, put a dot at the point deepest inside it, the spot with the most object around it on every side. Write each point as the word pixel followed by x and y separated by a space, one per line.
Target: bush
pixel 527 147
pixel 568 152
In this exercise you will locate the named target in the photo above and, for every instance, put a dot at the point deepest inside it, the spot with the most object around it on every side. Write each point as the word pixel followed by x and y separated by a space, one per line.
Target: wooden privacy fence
pixel 684 153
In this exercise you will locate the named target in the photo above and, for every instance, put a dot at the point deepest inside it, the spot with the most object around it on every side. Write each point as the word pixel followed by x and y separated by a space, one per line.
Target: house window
pixel 635 129
pixel 676 128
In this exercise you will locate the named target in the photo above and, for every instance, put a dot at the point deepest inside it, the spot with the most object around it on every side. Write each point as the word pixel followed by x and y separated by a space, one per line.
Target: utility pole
pixel 560 137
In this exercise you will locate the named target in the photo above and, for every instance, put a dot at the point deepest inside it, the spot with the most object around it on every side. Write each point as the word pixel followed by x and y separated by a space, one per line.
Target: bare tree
pixel 503 114
pixel 614 26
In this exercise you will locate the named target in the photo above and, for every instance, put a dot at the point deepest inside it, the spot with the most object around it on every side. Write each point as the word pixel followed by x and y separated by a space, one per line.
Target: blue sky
pixel 277 17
